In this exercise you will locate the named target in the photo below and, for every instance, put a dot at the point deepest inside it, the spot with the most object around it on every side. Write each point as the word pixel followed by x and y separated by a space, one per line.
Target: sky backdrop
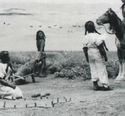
pixel 61 20
pixel 67 1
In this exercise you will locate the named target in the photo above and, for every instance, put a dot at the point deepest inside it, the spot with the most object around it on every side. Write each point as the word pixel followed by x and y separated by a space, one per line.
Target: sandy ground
pixel 84 100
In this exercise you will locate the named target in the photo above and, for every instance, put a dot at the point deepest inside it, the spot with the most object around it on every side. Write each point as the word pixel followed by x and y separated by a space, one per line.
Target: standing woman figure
pixel 40 40
pixel 92 41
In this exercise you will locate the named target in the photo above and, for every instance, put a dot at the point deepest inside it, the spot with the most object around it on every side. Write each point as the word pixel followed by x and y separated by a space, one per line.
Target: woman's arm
pixel 105 45
pixel 102 51
pixel 9 65
pixel 85 50
pixel 12 68
pixel 5 83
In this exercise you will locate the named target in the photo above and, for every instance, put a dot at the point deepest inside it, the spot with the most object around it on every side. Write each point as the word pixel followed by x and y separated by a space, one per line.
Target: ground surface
pixel 84 101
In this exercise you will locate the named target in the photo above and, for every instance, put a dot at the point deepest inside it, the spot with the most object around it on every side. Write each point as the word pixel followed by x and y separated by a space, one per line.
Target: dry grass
pixel 62 63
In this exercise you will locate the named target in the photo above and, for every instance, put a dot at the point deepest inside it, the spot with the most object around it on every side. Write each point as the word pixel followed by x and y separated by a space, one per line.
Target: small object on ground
pixel 45 95
pixel 36 95
pixel 31 26
pixel 52 104
pixel 4 104
pixel 41 96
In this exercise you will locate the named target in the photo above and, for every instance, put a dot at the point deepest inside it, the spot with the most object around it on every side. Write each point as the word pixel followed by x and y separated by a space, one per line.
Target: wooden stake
pixel 4 104
pixel 65 99
pixel 69 99
pixel 15 106
pixel 26 106
pixel 52 104
pixel 35 104
pixel 57 99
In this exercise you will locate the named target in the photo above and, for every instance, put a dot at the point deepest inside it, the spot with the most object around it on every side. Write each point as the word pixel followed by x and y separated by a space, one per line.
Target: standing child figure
pixel 93 48
pixel 40 65
pixel 40 41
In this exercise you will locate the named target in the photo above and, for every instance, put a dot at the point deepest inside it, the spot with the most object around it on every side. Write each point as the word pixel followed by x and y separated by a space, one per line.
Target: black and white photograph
pixel 62 57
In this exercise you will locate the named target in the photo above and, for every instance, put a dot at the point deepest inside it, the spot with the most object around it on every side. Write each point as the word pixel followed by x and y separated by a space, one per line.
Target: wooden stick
pixel 4 104
pixel 52 104
pixel 26 106
pixel 57 99
pixel 69 99
pixel 15 106
pixel 65 99
pixel 35 104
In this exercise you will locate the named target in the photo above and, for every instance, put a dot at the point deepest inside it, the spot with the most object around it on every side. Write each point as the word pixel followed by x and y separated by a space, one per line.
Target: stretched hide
pixel 53 60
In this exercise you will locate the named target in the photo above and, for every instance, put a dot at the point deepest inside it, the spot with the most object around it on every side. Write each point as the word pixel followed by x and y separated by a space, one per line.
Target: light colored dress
pixel 5 91
pixel 2 70
pixel 97 66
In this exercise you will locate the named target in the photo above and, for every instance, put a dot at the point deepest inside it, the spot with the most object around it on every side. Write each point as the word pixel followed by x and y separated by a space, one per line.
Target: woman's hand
pixel 6 83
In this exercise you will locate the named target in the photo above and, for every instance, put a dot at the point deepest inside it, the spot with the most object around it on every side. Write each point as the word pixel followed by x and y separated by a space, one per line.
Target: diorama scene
pixel 62 58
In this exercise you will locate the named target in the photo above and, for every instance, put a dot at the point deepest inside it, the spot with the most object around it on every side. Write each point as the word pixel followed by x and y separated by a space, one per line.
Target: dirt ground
pixel 84 100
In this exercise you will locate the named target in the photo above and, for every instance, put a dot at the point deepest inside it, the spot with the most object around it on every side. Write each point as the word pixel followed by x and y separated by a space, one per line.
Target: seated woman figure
pixel 7 90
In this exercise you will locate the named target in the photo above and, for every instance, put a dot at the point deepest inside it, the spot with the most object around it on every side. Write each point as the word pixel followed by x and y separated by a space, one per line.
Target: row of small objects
pixel 38 104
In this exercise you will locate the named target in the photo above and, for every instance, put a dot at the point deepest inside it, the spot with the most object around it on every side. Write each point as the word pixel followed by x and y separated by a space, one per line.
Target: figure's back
pixel 2 70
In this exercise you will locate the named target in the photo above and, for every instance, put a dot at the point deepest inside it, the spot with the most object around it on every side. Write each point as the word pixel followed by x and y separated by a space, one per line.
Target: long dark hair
pixel 4 56
pixel 90 28
pixel 38 36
